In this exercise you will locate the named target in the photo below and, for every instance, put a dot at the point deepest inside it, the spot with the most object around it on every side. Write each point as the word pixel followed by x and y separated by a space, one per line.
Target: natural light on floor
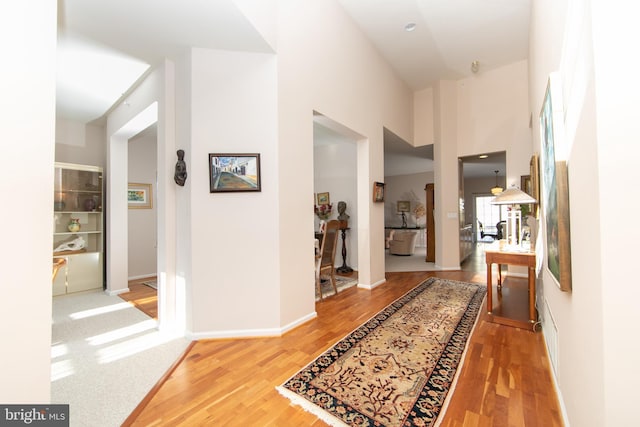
pixel 100 310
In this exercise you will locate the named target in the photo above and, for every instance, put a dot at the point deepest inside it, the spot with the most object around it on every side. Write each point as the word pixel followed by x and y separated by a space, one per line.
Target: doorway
pixel 142 221
pixel 335 179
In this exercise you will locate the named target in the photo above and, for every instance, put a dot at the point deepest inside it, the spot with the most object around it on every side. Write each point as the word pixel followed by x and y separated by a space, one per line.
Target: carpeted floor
pixel 106 356
pixel 415 262
pixel 398 367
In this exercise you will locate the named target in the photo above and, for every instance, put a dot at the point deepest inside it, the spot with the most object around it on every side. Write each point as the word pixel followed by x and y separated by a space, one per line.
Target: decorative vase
pixel 90 205
pixel 74 225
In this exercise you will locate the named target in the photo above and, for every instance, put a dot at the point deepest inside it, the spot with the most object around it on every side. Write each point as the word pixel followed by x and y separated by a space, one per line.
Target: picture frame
pixel 378 192
pixel 404 206
pixel 555 187
pixel 534 174
pixel 525 185
pixel 139 196
pixel 323 199
pixel 234 172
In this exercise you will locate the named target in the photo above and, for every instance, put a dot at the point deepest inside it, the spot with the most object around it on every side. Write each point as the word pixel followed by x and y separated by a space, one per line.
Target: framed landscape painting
pixel 234 172
pixel 139 196
pixel 555 188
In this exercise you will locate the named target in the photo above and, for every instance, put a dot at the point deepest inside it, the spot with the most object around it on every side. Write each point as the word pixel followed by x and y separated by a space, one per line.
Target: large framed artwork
pixel 555 187
pixel 234 173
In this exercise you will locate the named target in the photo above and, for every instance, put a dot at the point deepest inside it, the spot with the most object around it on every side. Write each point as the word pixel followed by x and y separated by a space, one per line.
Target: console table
pixel 503 312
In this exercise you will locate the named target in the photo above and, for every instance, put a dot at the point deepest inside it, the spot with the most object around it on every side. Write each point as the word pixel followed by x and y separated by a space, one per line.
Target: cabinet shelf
pixel 77 212
pixel 70 233
pixel 78 196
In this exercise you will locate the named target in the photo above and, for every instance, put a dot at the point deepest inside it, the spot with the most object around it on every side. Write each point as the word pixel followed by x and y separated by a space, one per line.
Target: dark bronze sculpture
pixel 180 176
pixel 342 207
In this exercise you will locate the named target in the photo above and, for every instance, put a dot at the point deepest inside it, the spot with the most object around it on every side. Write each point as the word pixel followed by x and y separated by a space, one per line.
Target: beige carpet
pixel 106 355
pixel 415 262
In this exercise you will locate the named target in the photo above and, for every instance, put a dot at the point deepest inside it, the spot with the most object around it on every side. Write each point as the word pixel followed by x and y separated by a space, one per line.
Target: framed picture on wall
pixel 378 192
pixel 139 196
pixel 234 173
pixel 555 187
pixel 323 199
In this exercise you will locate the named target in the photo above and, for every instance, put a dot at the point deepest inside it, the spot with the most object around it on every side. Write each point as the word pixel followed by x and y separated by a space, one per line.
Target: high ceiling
pixel 136 35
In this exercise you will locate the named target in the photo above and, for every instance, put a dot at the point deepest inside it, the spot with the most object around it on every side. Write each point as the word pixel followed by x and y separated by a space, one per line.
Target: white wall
pixel 334 168
pixel 325 64
pixel 235 275
pixel 597 367
pixel 493 115
pixel 27 108
pixel 142 223
pixel 80 143
pixel 614 32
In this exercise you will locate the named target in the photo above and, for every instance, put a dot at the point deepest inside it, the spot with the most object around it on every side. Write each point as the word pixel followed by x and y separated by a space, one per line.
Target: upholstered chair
pixel 403 243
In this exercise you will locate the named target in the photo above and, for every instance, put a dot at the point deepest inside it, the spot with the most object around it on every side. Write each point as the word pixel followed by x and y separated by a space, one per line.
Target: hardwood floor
pixel 143 297
pixel 505 379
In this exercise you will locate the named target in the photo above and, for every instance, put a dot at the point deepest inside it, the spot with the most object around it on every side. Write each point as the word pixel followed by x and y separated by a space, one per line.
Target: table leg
pixel 532 295
pixel 344 268
pixel 489 289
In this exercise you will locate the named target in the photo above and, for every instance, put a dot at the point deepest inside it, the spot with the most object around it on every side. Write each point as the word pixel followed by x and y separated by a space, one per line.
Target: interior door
pixel 431 225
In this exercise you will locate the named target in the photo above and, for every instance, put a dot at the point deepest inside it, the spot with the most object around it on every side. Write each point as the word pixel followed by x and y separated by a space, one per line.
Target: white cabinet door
pixel 84 272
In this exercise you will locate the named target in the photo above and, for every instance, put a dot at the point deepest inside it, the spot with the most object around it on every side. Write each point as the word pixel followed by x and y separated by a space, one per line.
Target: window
pixel 489 215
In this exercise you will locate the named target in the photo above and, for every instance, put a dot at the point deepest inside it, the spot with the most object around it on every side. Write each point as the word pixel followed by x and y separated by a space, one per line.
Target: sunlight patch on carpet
pixel 397 368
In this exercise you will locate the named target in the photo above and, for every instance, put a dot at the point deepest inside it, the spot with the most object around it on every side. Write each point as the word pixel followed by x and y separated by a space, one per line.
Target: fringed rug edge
pixel 311 408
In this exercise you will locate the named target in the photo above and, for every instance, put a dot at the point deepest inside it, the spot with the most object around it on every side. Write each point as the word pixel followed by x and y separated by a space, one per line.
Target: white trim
pixel 250 333
pixel 143 276
pixel 373 285
pixel 117 291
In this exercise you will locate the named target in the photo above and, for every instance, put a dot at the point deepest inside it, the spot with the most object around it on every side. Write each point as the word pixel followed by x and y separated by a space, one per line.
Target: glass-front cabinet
pixel 78 227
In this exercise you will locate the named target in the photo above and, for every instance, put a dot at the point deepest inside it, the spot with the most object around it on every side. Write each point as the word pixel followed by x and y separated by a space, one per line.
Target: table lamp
pixel 514 197
pixel 403 208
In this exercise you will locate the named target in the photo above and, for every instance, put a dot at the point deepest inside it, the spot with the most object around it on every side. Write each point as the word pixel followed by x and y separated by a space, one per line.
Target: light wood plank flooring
pixel 505 379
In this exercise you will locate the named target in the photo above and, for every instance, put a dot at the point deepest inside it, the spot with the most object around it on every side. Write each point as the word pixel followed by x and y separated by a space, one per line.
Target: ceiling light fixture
pixel 410 27
pixel 497 189
pixel 483 156
pixel 475 66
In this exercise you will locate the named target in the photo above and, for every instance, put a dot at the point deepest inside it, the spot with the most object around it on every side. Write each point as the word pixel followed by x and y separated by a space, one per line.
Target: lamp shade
pixel 513 196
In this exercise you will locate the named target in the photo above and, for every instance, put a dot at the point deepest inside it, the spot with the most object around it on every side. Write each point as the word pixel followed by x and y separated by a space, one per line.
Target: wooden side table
pixel 499 313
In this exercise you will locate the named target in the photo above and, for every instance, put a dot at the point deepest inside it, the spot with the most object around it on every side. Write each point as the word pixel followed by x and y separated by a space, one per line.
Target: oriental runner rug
pixel 398 368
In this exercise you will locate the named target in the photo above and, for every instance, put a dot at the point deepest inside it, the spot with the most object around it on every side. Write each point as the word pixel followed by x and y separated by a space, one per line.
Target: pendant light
pixel 497 189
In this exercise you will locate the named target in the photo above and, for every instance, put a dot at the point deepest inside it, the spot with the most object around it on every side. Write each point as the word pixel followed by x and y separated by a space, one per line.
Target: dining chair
pixel 326 260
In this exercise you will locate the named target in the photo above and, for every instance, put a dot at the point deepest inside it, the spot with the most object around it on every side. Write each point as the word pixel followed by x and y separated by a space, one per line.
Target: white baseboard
pixel 373 285
pixel 250 333
pixel 117 291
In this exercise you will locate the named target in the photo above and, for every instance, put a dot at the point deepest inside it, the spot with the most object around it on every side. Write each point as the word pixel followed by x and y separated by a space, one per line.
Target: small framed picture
pixel 404 206
pixel 323 199
pixel 234 172
pixel 139 196
pixel 378 192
